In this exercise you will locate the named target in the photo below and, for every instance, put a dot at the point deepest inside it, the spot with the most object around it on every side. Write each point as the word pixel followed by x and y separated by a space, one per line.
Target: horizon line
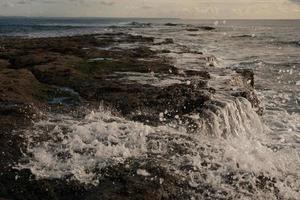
pixel 171 18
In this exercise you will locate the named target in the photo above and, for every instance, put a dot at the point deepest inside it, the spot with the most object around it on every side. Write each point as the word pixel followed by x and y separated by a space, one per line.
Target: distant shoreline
pixel 150 18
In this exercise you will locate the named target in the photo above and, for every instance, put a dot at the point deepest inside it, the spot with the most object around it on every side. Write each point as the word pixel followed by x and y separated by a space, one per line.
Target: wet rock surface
pixel 60 75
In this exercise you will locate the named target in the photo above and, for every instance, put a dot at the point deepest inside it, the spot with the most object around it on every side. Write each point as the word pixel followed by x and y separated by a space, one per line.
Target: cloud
pixel 13 3
pixel 155 8
pixel 295 1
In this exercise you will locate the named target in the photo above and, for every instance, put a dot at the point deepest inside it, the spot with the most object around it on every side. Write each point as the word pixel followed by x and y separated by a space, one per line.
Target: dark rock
pixel 248 76
pixel 26 187
pixel 171 24
pixel 251 96
pixel 57 74
pixel 139 24
pixel 31 60
pixel 118 182
pixel 138 38
pixel 242 36
pixel 192 29
pixel 121 182
pixel 202 74
pixel 176 100
pixel 193 35
pixel 244 79
pixel 3 63
pixel 142 52
pixel 207 28
pixel 181 99
pixel 20 101
pixel 166 41
pixel 165 51
pixel 19 86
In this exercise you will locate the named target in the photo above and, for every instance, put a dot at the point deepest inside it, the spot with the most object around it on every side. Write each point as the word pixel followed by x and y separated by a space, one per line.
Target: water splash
pixel 80 147
pixel 230 117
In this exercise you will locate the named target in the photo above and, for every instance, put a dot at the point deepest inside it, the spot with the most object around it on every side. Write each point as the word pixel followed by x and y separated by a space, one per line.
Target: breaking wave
pixel 239 149
pixel 77 147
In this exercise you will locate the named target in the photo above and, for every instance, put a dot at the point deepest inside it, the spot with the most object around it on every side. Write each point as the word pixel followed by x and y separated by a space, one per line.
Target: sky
pixel 187 9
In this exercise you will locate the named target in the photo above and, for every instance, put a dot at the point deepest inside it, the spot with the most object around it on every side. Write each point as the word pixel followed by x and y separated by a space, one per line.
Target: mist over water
pixel 233 138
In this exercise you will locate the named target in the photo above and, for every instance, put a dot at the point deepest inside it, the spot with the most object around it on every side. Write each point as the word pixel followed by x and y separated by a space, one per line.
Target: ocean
pixel 50 27
pixel 269 143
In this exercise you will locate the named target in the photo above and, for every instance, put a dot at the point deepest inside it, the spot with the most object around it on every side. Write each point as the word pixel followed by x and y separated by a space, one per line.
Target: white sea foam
pixel 230 117
pixel 79 147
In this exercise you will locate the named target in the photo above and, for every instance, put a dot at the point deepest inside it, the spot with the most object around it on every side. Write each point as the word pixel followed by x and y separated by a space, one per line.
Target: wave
pixel 79 147
pixel 230 145
pixel 230 117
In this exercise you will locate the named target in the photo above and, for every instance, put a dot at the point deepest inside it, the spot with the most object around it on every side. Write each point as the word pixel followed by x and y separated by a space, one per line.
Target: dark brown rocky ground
pixel 61 75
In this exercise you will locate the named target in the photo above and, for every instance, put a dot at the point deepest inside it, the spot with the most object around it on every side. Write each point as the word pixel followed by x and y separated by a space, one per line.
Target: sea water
pixel 268 144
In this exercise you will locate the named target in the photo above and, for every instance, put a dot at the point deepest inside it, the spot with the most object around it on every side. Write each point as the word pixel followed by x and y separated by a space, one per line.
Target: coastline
pixel 67 75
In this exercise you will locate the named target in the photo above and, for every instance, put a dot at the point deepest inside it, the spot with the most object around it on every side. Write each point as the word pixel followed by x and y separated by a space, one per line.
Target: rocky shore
pixel 134 77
